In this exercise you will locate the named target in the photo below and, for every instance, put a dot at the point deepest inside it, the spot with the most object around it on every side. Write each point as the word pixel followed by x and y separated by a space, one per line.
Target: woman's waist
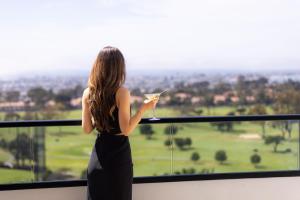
pixel 113 131
pixel 108 140
pixel 110 135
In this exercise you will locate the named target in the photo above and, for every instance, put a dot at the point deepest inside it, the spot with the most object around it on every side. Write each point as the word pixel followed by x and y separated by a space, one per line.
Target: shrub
pixel 146 129
pixel 168 143
pixel 195 157
pixel 255 159
pixel 221 156
pixel 169 130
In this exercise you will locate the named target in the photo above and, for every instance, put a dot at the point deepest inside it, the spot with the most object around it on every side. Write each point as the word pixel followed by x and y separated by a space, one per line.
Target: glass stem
pixel 153 111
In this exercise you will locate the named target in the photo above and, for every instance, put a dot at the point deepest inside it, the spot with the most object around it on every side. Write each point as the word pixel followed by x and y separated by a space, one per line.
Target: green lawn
pixel 15 176
pixel 68 148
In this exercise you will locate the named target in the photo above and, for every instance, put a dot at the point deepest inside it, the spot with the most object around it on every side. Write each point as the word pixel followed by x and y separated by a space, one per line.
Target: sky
pixel 64 35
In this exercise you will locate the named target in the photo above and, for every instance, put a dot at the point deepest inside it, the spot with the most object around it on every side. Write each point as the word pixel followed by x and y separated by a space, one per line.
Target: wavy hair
pixel 107 75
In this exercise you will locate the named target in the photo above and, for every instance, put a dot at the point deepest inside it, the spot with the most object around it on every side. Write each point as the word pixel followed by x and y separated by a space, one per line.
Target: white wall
pixel 246 189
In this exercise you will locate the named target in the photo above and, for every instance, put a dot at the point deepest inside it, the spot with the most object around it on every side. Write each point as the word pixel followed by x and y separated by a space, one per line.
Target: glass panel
pixel 150 150
pixel 44 154
pixel 68 151
pixel 236 147
pixel 16 155
pixel 62 153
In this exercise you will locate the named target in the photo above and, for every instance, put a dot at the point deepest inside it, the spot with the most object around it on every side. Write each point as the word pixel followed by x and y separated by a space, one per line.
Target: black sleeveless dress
pixel 110 169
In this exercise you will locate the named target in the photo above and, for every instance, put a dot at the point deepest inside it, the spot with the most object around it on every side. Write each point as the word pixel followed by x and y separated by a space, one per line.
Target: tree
pixel 136 92
pixel 285 126
pixel 200 88
pixel 188 171
pixel 171 130
pixel 223 126
pixel 255 159
pixel 20 148
pixel 195 157
pixel 259 87
pixel 198 111
pixel 183 143
pixel 146 129
pixel 168 143
pixel 222 87
pixel 12 95
pixel 261 96
pixel 287 100
pixel 208 102
pixel 174 101
pixel 11 116
pixel 53 111
pixel 221 156
pixel 64 97
pixel 3 143
pixel 275 140
pixel 241 110
pixel 29 116
pixel 39 96
pixel 188 142
pixel 180 143
pixel 242 90
pixel 207 171
pixel 77 91
pixel 259 109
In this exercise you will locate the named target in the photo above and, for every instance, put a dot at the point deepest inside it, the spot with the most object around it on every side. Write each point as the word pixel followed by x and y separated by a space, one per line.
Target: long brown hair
pixel 107 75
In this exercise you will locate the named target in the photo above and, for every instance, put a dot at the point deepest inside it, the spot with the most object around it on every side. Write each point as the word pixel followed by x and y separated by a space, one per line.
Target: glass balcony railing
pixel 38 151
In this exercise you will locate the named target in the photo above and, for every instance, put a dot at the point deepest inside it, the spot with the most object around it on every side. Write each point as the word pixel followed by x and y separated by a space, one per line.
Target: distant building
pixel 182 96
pixel 14 106
pixel 234 99
pixel 136 99
pixel 197 99
pixel 218 99
pixel 250 99
pixel 76 102
pixel 50 103
pixel 164 100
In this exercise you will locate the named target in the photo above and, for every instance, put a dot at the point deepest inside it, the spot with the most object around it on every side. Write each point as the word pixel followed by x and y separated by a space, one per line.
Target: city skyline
pixel 153 35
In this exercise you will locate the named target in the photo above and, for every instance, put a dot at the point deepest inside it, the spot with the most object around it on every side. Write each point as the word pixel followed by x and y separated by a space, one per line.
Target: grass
pixel 69 147
pixel 15 176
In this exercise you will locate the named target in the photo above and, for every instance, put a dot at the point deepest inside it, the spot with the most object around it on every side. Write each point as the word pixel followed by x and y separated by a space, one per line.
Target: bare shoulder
pixel 124 94
pixel 123 91
pixel 85 93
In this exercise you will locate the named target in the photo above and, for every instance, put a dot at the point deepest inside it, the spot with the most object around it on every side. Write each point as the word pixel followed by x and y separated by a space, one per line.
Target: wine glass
pixel 151 97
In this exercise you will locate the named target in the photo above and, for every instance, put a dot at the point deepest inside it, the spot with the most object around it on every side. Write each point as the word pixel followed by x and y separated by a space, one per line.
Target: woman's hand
pixel 128 123
pixel 148 105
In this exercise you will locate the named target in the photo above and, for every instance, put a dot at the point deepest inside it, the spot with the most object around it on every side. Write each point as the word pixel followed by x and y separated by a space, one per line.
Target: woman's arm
pixel 86 116
pixel 128 123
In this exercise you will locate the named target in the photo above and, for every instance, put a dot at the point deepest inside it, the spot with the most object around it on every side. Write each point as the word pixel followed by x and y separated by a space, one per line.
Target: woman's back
pixel 114 122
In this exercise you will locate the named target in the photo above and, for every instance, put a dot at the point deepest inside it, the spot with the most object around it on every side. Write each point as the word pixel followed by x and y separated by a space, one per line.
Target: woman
pixel 106 107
